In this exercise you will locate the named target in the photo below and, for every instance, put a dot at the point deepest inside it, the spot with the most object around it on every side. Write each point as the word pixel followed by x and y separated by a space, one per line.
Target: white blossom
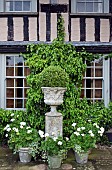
pixel 82 134
pixel 28 127
pixel 12 114
pixel 21 127
pixel 83 128
pixel 7 126
pixel 90 131
pixel 55 138
pixel 6 135
pixel 74 124
pixel 8 129
pixel 79 129
pixel 67 138
pixel 77 133
pixel 29 131
pixel 15 129
pixel 102 129
pixel 53 133
pixel 89 120
pixel 12 120
pixel 41 133
pixel 95 124
pixel 22 123
pixel 91 134
pixel 46 134
pixel 59 143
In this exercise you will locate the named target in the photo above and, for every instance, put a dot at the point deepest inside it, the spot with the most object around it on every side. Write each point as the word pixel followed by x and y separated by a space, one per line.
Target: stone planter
pixel 54 162
pixel 53 96
pixel 24 155
pixel 82 157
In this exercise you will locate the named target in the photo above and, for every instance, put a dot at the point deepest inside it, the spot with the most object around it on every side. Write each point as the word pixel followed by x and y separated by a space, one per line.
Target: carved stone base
pixel 53 124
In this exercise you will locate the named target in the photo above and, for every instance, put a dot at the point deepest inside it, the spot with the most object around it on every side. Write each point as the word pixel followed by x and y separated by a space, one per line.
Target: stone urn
pixel 53 96
pixel 24 155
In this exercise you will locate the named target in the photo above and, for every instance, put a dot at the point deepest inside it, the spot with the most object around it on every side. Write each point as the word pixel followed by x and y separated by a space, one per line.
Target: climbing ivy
pixel 58 53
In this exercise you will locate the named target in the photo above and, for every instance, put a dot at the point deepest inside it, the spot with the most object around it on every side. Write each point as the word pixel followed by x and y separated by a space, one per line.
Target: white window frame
pixel 105 81
pixel 3 6
pixel 3 82
pixel 105 8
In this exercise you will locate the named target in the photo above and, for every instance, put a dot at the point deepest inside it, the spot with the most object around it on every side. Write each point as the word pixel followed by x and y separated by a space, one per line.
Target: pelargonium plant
pixel 84 136
pixel 21 134
pixel 53 145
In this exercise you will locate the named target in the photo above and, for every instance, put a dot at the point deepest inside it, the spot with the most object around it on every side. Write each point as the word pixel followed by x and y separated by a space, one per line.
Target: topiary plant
pixel 53 76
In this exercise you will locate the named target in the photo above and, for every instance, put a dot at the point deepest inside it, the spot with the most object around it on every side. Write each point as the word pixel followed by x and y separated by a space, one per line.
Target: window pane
pixel 10 93
pixel 89 7
pixel 10 71
pixel 81 7
pixel 19 92
pixel 9 103
pixel 9 61
pixel 19 61
pixel 26 71
pixel 10 82
pixel 19 71
pixel 26 6
pixel 19 82
pixel 18 103
pixel 18 6
pixel 54 2
pixel 98 93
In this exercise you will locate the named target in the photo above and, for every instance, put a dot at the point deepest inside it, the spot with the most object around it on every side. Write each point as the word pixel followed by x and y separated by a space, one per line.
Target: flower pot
pixel 54 162
pixel 24 155
pixel 53 95
pixel 82 157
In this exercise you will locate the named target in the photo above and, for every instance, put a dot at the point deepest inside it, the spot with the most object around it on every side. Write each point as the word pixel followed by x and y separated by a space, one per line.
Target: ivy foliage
pixel 58 53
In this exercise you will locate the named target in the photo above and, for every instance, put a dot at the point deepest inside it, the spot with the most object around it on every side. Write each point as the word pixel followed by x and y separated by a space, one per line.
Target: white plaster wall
pixel 104 30
pixel 90 29
pixel 32 29
pixel 3 29
pixel 18 28
pixel 75 29
pixel 42 26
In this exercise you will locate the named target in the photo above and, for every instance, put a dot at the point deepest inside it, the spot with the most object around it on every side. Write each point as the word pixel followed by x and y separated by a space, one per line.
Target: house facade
pixel 88 24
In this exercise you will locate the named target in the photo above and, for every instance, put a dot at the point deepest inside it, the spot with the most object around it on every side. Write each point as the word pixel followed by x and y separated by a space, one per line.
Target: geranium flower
pixel 41 133
pixel 59 143
pixel 77 133
pixel 29 131
pixel 22 123
pixel 12 120
pixel 46 134
pixel 74 124
pixel 8 129
pixel 12 114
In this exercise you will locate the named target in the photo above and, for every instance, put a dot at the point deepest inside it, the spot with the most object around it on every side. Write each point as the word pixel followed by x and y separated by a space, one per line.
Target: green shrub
pixel 53 76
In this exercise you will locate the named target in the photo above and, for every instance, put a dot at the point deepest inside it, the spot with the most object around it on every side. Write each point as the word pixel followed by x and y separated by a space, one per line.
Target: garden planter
pixel 24 155
pixel 53 96
pixel 54 162
pixel 82 157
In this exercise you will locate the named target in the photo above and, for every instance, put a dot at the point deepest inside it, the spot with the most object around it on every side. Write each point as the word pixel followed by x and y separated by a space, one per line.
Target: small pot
pixel 24 155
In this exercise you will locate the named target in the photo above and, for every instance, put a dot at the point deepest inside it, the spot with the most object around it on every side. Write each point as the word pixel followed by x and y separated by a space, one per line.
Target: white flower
pixel 12 114
pixel 77 133
pixel 7 126
pixel 28 127
pixel 59 143
pixel 90 131
pixel 82 134
pixel 15 129
pixel 95 124
pixel 102 129
pixel 83 128
pixel 55 138
pixel 91 134
pixel 21 127
pixel 6 135
pixel 89 120
pixel 79 129
pixel 29 131
pixel 46 134
pixel 67 138
pixel 74 124
pixel 8 129
pixel 17 115
pixel 41 133
pixel 12 120
pixel 53 133
pixel 22 123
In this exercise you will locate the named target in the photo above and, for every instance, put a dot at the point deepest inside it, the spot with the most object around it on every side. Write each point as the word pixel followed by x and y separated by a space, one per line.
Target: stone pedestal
pixel 53 124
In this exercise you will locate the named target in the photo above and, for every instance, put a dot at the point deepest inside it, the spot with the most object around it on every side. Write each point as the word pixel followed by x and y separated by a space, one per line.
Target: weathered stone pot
pixel 81 157
pixel 54 161
pixel 24 155
pixel 53 96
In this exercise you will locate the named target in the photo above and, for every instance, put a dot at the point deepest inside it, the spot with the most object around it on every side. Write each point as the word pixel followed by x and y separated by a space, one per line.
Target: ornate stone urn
pixel 53 96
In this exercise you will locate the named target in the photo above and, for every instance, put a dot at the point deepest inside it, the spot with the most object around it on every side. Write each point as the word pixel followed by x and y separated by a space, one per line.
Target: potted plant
pixel 54 147
pixel 53 81
pixel 83 138
pixel 23 139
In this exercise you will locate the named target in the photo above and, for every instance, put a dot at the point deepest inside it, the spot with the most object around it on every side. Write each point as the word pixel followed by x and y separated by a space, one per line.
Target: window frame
pixel 105 8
